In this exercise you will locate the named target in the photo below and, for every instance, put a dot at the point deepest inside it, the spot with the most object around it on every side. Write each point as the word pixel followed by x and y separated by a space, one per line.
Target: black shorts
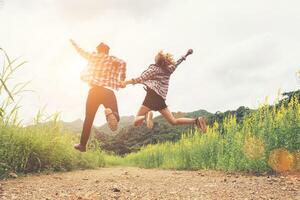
pixel 154 101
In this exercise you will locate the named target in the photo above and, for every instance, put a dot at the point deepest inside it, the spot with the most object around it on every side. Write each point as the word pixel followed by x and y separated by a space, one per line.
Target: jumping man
pixel 104 74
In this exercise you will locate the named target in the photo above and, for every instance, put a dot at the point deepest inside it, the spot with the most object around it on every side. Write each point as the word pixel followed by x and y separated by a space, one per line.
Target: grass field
pixel 266 140
pixel 43 148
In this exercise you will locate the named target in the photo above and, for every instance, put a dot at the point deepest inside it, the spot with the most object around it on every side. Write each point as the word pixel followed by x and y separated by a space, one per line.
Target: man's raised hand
pixel 72 42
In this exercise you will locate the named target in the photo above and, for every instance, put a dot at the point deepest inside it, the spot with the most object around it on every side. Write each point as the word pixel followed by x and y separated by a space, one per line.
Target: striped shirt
pixel 102 69
pixel 157 78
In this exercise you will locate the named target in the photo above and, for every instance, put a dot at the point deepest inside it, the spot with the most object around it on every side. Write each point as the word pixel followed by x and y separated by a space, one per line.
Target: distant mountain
pixel 124 122
pixel 74 126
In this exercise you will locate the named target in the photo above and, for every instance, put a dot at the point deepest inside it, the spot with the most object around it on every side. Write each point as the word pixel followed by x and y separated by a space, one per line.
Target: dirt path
pixel 135 183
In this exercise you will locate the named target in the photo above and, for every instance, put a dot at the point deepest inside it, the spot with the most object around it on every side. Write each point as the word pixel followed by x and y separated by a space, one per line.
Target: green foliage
pixel 260 132
pixel 132 139
pixel 43 147
pixel 114 160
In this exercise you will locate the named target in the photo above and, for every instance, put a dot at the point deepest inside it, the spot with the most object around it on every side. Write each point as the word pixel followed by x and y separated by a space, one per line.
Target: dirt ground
pixel 136 183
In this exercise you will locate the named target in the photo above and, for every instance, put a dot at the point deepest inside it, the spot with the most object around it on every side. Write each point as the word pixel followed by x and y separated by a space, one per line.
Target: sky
pixel 244 50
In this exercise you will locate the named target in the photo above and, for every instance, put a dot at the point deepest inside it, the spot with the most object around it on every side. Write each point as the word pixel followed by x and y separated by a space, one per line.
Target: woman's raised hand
pixel 189 52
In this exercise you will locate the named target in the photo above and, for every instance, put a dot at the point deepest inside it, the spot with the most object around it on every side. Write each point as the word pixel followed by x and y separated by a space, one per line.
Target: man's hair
pixel 103 48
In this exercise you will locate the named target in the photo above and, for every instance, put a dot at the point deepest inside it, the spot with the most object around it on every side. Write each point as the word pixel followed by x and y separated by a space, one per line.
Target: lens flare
pixel 281 160
pixel 254 148
pixel 296 165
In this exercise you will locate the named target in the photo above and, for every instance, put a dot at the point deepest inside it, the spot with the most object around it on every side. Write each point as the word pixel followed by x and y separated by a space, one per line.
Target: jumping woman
pixel 156 79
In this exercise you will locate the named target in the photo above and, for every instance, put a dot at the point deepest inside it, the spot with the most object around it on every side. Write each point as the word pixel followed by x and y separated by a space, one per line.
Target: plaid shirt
pixel 102 70
pixel 157 78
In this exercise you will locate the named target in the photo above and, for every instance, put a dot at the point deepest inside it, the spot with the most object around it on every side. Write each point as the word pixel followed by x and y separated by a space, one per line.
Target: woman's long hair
pixel 163 60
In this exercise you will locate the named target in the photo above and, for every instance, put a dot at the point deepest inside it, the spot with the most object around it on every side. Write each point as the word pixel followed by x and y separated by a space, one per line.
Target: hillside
pixel 74 126
pixel 130 139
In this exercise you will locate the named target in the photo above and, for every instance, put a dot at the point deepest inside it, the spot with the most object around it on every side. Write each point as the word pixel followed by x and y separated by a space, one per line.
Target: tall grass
pixel 10 90
pixel 244 146
pixel 43 147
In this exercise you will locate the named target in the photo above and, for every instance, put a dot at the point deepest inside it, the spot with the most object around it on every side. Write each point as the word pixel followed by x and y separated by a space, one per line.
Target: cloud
pixel 1 4
pixel 252 60
pixel 85 10
pixel 242 74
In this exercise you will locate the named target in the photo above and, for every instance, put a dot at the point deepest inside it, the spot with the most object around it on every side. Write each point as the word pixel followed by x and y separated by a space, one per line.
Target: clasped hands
pixel 123 84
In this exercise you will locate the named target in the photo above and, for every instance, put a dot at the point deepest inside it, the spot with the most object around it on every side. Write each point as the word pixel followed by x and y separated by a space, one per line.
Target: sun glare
pixel 281 160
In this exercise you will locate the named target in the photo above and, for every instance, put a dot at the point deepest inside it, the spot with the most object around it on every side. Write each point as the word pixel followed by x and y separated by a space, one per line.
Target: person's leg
pixel 199 122
pixel 111 109
pixel 149 120
pixel 92 105
pixel 166 113
pixel 141 115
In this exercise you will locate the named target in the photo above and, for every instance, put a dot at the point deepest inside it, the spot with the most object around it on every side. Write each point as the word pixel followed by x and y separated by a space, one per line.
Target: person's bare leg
pixel 141 115
pixel 166 113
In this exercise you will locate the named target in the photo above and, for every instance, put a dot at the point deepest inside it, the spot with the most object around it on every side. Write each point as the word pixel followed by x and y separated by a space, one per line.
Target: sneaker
pixel 111 119
pixel 80 147
pixel 201 124
pixel 149 120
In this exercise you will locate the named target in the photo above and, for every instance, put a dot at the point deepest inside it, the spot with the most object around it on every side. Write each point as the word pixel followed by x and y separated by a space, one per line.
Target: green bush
pixel 43 147
pixel 243 146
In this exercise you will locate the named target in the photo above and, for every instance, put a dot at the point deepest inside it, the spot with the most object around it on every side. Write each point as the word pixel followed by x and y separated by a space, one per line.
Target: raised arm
pixel 179 61
pixel 83 53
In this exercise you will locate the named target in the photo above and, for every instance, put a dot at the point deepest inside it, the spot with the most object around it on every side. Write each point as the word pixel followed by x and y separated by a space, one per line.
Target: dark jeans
pixel 97 96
